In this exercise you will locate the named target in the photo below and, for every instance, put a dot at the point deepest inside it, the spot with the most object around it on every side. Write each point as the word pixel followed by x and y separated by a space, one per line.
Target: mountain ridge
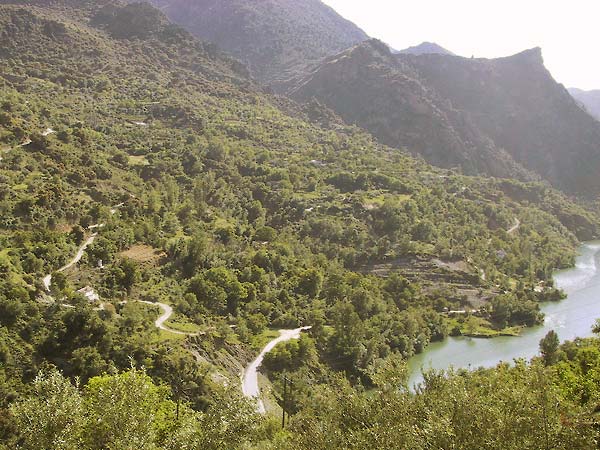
pixel 276 39
pixel 220 204
pixel 589 99
pixel 425 48
pixel 408 115
pixel 486 111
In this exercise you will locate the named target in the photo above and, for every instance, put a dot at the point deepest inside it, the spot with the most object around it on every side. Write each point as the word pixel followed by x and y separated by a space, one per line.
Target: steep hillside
pixel 517 103
pixel 257 213
pixel 589 99
pixel 369 86
pixel 276 39
pixel 486 116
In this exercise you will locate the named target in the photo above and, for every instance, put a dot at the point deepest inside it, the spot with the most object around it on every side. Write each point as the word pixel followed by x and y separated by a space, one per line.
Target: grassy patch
pixel 179 323
pixel 258 342
pixel 166 336
pixel 314 195
pixel 481 328
pixel 138 161
pixel 143 253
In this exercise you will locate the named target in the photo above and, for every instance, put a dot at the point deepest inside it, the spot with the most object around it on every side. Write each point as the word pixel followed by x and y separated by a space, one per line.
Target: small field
pixel 138 161
pixel 179 323
pixel 166 336
pixel 144 254
pixel 480 328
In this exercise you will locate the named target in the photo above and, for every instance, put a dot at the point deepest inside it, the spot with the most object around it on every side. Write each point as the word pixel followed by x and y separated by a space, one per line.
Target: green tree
pixel 125 411
pixel 549 347
pixel 52 417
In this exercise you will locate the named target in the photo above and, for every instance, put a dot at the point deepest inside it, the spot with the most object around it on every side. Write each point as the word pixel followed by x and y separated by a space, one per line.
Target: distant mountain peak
pixel 590 100
pixel 426 48
pixel 532 56
pixel 505 117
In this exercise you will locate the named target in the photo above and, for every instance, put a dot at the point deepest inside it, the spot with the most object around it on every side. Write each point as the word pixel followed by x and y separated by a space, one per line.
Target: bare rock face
pixel 503 117
pixel 276 39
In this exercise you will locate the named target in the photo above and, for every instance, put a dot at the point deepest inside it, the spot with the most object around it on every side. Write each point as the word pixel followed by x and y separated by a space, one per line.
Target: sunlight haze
pixel 567 32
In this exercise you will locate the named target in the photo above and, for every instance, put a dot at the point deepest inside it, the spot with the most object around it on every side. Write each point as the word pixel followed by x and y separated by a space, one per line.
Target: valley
pixel 216 212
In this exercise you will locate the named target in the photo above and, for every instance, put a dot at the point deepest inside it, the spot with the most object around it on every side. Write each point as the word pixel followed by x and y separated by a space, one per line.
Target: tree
pixel 131 273
pixel 471 325
pixel 265 234
pixel 348 333
pixel 549 347
pixel 228 423
pixel 186 376
pixel 53 417
pixel 596 327
pixel 78 234
pixel 124 411
pixel 310 282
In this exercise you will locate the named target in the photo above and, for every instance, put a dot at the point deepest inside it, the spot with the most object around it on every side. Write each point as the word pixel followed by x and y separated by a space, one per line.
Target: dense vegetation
pixel 276 39
pixel 544 405
pixel 229 205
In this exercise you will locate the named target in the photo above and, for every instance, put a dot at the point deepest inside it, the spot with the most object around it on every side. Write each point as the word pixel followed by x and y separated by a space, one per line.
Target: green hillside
pixel 205 194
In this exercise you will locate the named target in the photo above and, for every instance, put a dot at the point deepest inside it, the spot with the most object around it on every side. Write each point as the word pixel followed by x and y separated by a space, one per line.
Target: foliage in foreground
pixel 125 411
pixel 524 406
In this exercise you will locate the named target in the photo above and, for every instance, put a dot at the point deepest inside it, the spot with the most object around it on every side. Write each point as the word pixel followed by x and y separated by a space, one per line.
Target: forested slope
pixel 276 39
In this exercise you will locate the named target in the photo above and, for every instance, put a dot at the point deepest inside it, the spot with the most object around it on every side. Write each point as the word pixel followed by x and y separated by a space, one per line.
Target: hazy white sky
pixel 567 30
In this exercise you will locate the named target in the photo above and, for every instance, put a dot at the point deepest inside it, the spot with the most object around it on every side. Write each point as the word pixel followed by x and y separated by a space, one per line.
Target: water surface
pixel 570 318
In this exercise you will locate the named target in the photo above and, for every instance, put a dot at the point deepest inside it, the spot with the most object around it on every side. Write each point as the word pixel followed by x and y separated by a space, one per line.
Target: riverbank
pixel 478 327
pixel 572 317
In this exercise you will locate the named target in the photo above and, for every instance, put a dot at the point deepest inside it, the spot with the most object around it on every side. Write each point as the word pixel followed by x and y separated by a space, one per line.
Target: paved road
pixel 166 315
pixel 250 387
pixel 47 280
pixel 515 227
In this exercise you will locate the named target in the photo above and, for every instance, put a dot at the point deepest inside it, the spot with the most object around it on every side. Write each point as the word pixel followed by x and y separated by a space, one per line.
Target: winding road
pixel 167 311
pixel 515 227
pixel 166 315
pixel 47 280
pixel 250 387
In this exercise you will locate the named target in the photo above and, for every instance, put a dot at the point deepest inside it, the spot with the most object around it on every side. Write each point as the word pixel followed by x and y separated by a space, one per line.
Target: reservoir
pixel 570 318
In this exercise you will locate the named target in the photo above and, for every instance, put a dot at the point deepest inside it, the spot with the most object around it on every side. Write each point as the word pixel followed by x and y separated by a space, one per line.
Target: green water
pixel 570 318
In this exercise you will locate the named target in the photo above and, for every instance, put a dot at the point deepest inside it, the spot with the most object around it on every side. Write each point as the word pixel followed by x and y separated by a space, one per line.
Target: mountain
pixel 369 86
pixel 492 116
pixel 426 48
pixel 276 39
pixel 518 104
pixel 589 99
